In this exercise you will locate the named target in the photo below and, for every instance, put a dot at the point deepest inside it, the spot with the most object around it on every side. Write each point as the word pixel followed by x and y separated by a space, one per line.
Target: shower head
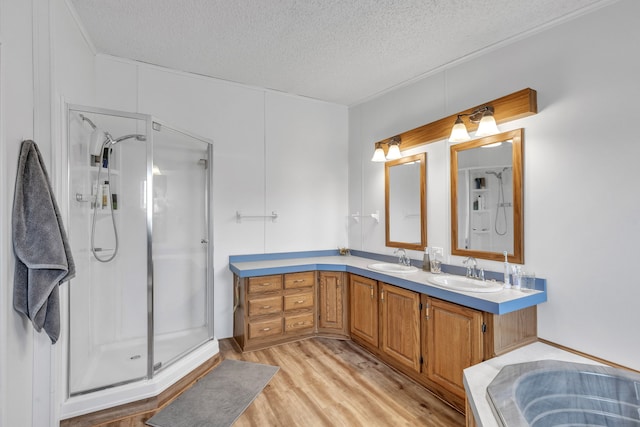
pixel 98 140
pixel 137 136
pixel 101 139
pixel 98 137
pixel 498 174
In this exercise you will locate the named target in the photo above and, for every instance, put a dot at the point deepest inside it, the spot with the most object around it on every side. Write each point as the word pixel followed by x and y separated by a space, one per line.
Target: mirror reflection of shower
pixel 101 145
pixel 501 206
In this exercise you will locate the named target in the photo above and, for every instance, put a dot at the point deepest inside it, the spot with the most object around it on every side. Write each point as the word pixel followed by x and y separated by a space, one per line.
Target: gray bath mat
pixel 219 398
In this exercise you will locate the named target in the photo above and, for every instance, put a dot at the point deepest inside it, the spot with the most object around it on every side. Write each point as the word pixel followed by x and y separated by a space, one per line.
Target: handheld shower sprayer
pixel 99 140
pixel 501 204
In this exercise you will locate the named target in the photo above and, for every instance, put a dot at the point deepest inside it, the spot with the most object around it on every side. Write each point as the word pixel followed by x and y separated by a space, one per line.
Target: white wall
pixel 43 57
pixel 16 122
pixel 272 152
pixel 581 215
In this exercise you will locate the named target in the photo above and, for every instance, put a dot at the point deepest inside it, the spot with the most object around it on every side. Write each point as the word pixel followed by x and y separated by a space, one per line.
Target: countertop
pixel 478 377
pixel 504 301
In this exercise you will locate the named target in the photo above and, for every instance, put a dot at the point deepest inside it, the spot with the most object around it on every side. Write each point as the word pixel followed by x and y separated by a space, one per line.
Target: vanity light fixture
pixel 392 154
pixel 486 124
pixel 394 149
pixel 378 155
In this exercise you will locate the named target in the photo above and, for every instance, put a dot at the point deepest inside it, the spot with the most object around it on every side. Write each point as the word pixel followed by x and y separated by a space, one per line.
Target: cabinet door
pixel 400 329
pixel 363 294
pixel 454 342
pixel 331 300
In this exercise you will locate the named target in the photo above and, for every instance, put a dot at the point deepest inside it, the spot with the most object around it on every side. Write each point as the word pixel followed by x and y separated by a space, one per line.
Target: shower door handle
pixel 204 241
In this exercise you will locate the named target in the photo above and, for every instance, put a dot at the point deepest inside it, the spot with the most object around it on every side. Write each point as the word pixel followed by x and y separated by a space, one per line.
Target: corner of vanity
pixel 280 298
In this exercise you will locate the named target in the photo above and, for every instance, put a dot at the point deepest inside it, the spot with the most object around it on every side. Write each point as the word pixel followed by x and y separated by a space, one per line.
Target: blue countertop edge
pixel 451 296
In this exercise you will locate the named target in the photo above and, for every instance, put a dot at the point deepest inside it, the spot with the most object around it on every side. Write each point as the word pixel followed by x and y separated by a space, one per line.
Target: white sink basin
pixel 467 284
pixel 385 267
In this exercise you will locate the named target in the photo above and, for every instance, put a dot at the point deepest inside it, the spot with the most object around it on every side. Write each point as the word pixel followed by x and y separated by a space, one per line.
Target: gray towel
pixel 43 255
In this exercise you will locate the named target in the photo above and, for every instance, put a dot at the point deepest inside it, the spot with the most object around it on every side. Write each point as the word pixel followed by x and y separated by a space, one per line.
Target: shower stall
pixel 139 228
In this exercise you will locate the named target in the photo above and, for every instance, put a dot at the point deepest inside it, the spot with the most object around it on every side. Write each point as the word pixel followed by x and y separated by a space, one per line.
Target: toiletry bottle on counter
pixel 517 276
pixel 105 195
pixel 507 282
pixel 426 263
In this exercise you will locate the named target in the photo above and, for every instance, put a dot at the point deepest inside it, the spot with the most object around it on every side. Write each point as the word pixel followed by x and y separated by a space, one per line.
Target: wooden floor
pixel 326 382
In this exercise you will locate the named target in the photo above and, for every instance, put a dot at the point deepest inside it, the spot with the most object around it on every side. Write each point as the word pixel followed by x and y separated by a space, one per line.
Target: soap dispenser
pixel 426 263
pixel 507 282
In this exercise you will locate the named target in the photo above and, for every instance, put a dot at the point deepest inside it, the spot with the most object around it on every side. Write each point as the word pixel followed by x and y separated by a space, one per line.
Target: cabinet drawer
pixel 265 328
pixel 266 305
pixel 299 280
pixel 296 301
pixel 265 284
pixel 298 322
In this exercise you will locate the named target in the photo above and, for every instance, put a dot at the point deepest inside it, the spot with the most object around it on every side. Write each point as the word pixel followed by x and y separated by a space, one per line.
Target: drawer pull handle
pixel 265 284
pixel 266 306
pixel 300 301
pixel 265 329
pixel 298 281
pixel 299 323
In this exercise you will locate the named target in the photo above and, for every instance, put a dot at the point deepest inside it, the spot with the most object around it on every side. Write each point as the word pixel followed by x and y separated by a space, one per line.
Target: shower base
pixel 143 389
pixel 125 362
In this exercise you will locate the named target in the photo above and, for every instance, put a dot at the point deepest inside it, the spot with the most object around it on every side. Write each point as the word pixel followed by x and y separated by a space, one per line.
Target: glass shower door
pixel 107 232
pixel 181 179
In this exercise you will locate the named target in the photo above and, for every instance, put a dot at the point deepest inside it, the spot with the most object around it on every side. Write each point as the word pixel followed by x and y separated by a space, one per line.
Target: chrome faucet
pixel 403 259
pixel 472 265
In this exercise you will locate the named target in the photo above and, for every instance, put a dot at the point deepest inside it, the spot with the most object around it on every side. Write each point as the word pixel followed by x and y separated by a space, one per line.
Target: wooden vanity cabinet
pixel 428 339
pixel 400 326
pixel 452 341
pixel 274 309
pixel 431 340
pixel 386 320
pixel 333 307
pixel 363 310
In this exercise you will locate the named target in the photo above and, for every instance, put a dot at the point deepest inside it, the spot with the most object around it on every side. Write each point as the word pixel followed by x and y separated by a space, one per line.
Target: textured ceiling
pixel 342 51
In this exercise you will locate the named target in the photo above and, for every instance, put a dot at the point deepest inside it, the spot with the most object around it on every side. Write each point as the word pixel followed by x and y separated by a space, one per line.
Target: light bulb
pixel 394 152
pixel 487 125
pixel 378 155
pixel 459 132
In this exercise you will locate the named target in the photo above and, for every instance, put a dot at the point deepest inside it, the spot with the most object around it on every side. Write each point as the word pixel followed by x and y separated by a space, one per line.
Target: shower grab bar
pixel 240 216
pixel 376 216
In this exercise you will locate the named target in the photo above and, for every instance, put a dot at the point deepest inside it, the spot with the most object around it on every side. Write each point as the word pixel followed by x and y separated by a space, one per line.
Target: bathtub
pixel 554 393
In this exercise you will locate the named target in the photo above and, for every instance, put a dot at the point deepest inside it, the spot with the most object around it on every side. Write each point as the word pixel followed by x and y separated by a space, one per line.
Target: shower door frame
pixel 150 122
pixel 209 256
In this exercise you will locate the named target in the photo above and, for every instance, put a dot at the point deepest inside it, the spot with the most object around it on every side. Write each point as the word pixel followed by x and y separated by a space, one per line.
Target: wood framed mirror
pixel 486 197
pixel 405 202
